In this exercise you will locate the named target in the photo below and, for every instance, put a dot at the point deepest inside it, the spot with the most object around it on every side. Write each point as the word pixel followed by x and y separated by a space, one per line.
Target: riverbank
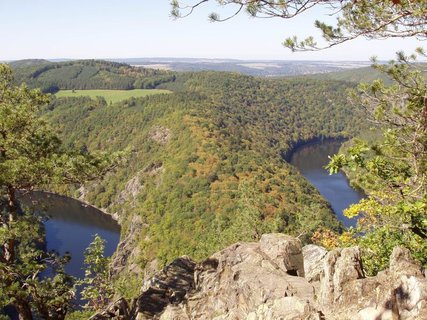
pixel 287 156
pixel 71 225
pixel 83 202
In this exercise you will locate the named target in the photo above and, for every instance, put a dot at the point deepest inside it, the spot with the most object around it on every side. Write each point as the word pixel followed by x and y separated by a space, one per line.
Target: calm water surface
pixel 311 159
pixel 71 227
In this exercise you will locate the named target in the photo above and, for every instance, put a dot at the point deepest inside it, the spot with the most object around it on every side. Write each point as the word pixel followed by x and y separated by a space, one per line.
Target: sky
pixel 89 29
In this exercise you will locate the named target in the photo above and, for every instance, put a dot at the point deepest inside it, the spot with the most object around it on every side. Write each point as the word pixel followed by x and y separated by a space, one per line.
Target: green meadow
pixel 111 95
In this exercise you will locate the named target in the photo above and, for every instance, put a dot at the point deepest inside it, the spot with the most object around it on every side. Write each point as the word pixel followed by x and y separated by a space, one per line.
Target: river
pixel 310 159
pixel 71 226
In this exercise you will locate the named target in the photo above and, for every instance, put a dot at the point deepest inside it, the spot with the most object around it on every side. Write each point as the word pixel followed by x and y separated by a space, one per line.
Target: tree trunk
pixel 24 310
pixel 9 246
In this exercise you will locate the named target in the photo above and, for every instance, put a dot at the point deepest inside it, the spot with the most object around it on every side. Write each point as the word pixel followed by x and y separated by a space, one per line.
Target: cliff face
pixel 278 279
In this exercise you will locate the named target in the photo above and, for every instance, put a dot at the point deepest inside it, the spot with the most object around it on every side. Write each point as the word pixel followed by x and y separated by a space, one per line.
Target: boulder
pixel 340 267
pixel 285 251
pixel 399 292
pixel 313 261
pixel 287 308
pixel 174 312
pixel 401 263
pixel 262 281
pixel 249 280
pixel 170 286
pixel 118 310
pixel 410 285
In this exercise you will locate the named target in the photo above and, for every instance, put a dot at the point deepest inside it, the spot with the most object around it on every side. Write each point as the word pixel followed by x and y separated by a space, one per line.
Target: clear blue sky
pixel 143 28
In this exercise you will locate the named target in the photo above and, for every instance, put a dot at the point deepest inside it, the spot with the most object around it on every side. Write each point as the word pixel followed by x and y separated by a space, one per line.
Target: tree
pixel 373 19
pixel 393 169
pixel 98 288
pixel 31 156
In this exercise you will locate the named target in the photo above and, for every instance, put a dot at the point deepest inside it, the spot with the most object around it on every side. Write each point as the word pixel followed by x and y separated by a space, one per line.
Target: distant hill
pixel 133 73
pixel 28 63
pixel 87 74
pixel 366 74
pixel 264 68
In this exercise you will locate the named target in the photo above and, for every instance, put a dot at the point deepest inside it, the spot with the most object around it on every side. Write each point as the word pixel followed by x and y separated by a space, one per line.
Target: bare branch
pixel 377 19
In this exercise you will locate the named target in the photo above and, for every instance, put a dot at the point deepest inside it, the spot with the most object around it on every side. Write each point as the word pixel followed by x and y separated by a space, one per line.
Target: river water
pixel 311 159
pixel 71 226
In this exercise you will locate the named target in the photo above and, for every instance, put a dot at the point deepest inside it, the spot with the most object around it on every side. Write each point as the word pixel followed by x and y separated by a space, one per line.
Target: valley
pixel 213 159
pixel 205 159
pixel 210 156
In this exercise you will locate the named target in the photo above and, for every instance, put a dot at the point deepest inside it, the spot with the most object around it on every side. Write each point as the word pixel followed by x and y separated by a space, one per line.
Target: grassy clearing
pixel 110 95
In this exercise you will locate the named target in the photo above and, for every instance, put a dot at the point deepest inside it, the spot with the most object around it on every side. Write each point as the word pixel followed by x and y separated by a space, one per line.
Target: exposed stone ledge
pixel 263 281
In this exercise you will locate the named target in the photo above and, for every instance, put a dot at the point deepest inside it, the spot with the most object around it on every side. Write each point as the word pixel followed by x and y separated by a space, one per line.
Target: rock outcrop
pixel 168 287
pixel 127 251
pixel 160 134
pixel 265 280
pixel 131 191
pixel 118 310
pixel 313 261
pixel 340 267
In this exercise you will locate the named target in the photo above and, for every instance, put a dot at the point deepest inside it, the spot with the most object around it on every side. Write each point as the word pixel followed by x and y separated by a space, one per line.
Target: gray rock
pixel 173 312
pixel 118 310
pixel 401 263
pixel 397 293
pixel 170 286
pixel 371 313
pixel 285 251
pixel 411 297
pixel 160 134
pixel 313 261
pixel 340 267
pixel 250 280
pixel 127 250
pixel 253 281
pixel 287 308
pixel 132 188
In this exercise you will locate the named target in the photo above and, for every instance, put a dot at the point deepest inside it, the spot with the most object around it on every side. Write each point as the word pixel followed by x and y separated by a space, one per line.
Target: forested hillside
pixel 207 160
pixel 366 74
pixel 358 75
pixel 86 74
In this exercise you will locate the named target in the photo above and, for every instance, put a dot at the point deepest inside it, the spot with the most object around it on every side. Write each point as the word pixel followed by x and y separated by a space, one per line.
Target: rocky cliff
pixel 277 278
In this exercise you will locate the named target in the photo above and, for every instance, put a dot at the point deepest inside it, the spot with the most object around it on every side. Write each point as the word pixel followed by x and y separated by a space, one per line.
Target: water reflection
pixel 311 159
pixel 71 227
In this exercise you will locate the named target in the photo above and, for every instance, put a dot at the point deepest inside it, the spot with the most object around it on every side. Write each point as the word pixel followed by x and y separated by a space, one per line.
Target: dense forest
pixel 87 74
pixel 205 160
